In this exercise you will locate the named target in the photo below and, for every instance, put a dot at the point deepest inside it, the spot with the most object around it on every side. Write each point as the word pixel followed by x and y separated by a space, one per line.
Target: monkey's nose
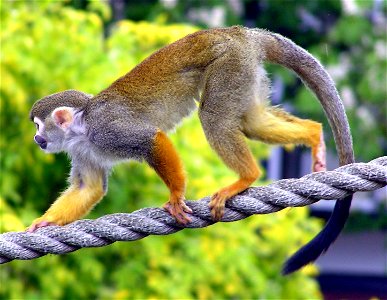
pixel 40 141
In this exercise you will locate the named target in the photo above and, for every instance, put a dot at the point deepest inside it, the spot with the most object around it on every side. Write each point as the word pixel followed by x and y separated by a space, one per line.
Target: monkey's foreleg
pixel 166 162
pixel 84 192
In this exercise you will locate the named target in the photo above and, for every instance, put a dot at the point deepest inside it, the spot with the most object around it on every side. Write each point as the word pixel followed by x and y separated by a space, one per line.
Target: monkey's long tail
pixel 282 51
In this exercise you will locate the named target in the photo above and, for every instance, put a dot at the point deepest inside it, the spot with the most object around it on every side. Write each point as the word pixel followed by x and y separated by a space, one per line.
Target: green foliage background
pixel 48 47
pixel 350 44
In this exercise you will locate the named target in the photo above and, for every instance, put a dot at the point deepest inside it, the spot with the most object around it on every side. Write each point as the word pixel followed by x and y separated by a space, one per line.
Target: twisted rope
pixel 336 184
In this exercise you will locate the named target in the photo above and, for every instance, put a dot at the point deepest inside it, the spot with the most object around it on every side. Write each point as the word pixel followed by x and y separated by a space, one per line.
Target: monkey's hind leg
pixel 167 164
pixel 275 126
pixel 228 141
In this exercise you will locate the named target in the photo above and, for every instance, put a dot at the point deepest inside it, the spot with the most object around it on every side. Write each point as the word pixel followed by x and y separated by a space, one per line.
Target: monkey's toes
pixel 186 208
pixel 217 213
pixel 39 224
pixel 319 166
pixel 319 163
pixel 178 211
pixel 319 159
pixel 217 206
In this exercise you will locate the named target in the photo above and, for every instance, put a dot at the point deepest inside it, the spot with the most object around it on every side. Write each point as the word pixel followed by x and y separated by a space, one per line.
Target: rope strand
pixel 328 185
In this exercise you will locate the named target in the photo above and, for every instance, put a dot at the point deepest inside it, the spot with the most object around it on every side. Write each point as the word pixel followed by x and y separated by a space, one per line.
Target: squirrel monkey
pixel 222 70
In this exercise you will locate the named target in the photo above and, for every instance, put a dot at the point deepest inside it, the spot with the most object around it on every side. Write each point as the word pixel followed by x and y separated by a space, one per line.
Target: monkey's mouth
pixel 43 146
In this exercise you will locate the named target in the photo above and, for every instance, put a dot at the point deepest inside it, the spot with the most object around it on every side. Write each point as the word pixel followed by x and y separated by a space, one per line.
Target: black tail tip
pixel 289 268
pixel 306 255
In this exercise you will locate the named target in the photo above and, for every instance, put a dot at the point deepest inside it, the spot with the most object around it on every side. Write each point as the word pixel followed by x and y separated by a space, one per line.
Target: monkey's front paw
pixel 217 204
pixel 178 210
pixel 38 223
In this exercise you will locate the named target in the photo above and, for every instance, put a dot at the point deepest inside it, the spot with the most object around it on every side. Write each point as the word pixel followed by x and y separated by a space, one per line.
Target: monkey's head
pixel 56 117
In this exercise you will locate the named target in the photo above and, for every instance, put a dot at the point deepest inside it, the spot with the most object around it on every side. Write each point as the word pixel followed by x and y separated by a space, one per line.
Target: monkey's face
pixel 54 116
pixel 48 135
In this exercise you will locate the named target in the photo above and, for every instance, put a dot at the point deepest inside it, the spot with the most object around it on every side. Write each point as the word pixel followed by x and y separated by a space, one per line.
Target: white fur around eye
pixel 39 124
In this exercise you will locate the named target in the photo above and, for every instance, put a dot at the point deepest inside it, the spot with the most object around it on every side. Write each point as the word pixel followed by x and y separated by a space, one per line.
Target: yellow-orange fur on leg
pixel 218 200
pixel 240 161
pixel 74 203
pixel 167 164
pixel 275 126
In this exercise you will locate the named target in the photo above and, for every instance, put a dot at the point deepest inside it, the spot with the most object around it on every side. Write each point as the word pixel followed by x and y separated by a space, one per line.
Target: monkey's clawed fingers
pixel 38 223
pixel 178 210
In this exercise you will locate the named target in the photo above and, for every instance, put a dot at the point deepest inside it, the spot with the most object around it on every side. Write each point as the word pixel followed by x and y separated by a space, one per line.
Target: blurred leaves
pixel 48 47
pixel 360 75
pixel 348 37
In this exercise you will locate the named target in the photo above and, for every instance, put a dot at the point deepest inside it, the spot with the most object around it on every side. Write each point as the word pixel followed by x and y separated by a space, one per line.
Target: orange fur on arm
pixel 167 164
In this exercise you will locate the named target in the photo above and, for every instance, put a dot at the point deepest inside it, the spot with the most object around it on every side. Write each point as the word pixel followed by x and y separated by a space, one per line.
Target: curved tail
pixel 280 50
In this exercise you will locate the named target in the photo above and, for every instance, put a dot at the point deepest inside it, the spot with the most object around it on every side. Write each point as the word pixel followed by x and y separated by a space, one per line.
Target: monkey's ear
pixel 63 117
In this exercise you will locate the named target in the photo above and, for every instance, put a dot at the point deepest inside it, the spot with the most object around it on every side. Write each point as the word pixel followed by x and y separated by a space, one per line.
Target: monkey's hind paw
pixel 319 157
pixel 39 224
pixel 319 166
pixel 178 210
pixel 217 204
